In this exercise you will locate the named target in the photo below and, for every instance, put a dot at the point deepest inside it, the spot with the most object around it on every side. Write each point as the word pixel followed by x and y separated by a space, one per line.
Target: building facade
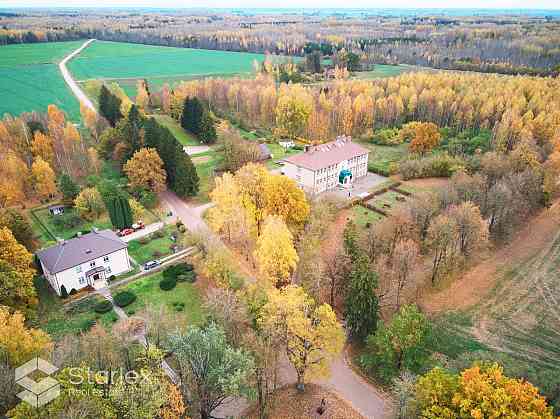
pixel 321 168
pixel 87 260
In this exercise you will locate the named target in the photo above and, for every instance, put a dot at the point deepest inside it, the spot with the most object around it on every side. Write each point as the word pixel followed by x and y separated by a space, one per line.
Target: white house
pixel 328 166
pixel 86 260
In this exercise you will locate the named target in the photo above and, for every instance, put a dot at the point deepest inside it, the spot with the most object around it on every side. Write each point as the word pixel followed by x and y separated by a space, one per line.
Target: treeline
pixel 515 109
pixel 133 133
pixel 511 46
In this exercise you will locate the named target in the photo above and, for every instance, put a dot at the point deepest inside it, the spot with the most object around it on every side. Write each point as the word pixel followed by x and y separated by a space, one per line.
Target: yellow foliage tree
pixel 43 179
pixel 89 204
pixel 16 273
pixel 42 146
pixel 18 343
pixel 275 253
pixel 482 391
pixel 292 113
pixel 138 211
pixel 426 136
pixel 13 180
pixel 284 198
pixel 313 336
pixel 145 169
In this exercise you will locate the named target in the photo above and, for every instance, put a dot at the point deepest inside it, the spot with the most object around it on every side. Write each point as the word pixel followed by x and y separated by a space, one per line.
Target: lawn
pixel 148 292
pixel 388 200
pixel 116 60
pixel 383 158
pixel 184 137
pixel 154 249
pixel 381 71
pixel 58 320
pixel 206 171
pixel 47 220
pixel 362 216
pixel 31 80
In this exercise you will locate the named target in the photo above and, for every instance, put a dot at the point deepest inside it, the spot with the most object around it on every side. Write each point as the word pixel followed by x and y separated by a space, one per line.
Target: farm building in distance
pixel 328 166
pixel 87 260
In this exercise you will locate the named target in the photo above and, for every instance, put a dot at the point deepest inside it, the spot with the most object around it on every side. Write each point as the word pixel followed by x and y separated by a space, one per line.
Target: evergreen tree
pixel 132 131
pixel 69 188
pixel 186 181
pixel 117 205
pixel 187 115
pixel 362 304
pixel 109 106
pixel 207 132
pixel 20 227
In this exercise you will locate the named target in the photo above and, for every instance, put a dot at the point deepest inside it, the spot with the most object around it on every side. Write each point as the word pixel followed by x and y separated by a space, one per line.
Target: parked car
pixel 138 226
pixel 125 232
pixel 151 265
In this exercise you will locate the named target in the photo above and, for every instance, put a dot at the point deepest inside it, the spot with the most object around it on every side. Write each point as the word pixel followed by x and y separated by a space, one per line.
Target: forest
pixel 494 44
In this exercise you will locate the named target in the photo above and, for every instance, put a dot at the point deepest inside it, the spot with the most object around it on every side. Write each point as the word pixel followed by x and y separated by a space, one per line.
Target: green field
pixel 121 61
pixel 30 79
pixel 381 71
pixel 177 130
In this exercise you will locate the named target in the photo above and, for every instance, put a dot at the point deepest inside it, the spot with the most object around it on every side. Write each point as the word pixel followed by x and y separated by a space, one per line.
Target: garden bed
pixel 145 249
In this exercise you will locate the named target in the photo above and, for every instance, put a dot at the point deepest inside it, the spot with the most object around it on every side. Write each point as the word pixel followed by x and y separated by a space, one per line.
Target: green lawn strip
pixel 382 157
pixel 206 171
pixel 59 320
pixel 154 249
pixel 387 201
pixel 381 71
pixel 362 216
pixel 148 292
pixel 47 220
pixel 184 137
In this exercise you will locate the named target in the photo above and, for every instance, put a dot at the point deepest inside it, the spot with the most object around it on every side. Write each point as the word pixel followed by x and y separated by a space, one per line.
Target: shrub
pixel 112 278
pixel 63 292
pixel 103 307
pixel 236 282
pixel 158 234
pixel 157 254
pixel 124 298
pixel 167 284
pixel 143 240
pixel 73 291
pixel 175 271
pixel 131 312
pixel 67 220
pixel 189 277
pixel 440 165
pixel 86 324
pixel 387 136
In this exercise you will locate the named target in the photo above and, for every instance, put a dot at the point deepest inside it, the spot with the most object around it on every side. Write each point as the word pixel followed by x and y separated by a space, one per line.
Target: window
pixel 78 269
pixel 82 280
pixel 106 259
pixel 92 264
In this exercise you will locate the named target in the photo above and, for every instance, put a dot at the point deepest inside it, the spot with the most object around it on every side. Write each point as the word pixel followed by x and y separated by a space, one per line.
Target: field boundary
pixel 40 222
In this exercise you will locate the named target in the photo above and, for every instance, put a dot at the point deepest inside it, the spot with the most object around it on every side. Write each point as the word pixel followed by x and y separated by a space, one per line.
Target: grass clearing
pixel 48 221
pixel 184 137
pixel 59 320
pixel 381 71
pixel 363 216
pixel 388 200
pixel 155 248
pixel 148 292
pixel 206 171
pixel 383 158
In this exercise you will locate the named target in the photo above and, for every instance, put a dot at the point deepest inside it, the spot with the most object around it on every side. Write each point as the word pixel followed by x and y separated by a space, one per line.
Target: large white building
pixel 328 166
pixel 87 260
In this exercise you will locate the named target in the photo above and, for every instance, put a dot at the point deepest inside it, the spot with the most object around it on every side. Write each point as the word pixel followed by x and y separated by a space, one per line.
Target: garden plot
pixel 387 201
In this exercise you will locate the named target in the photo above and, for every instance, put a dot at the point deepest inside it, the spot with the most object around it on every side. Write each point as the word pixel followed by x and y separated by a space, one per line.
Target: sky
pixel 238 4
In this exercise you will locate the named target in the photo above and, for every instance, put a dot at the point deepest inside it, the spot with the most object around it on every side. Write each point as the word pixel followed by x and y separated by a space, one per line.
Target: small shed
pixel 56 209
pixel 265 153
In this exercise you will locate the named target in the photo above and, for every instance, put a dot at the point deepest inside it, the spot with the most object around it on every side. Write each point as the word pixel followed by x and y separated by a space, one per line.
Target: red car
pixel 125 232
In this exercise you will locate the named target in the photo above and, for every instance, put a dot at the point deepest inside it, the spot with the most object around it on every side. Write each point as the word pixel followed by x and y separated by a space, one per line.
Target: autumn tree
pixel 20 226
pixel 42 146
pixel 210 367
pixel 292 114
pixel 426 137
pixel 313 335
pixel 402 266
pixel 13 180
pixel 142 94
pixel 441 239
pixel 18 344
pixel 16 273
pixel 480 391
pixel 145 170
pixel 89 203
pixel 395 346
pixel 275 253
pixel 472 230
pixel 44 181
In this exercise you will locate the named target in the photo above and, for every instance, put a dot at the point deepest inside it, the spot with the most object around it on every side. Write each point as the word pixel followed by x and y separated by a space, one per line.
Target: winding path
pixel 76 90
pixel 363 396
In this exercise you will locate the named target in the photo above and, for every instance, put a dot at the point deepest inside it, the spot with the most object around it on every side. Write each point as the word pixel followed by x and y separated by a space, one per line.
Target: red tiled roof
pixel 325 155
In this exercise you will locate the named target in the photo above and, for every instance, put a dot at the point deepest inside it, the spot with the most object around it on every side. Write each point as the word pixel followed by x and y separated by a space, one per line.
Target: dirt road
pixel 76 90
